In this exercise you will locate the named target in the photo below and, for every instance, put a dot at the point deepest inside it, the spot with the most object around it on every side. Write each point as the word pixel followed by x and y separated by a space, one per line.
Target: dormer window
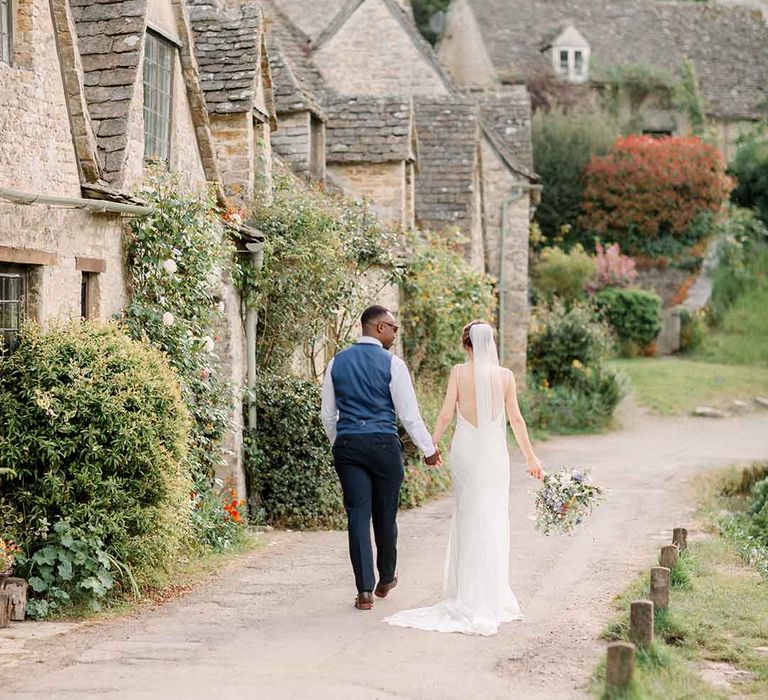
pixel 570 55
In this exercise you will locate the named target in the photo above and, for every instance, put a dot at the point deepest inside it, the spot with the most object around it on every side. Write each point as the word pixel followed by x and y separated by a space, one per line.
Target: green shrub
pixel 561 342
pixel 585 405
pixel 693 329
pixel 563 144
pixel 634 315
pixel 442 292
pixel 96 431
pixel 71 569
pixel 750 168
pixel 289 460
pixel 562 274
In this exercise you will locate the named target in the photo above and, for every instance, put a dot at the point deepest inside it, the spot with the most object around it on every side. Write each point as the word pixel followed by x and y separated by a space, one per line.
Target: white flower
pixel 208 342
pixel 168 319
pixel 170 266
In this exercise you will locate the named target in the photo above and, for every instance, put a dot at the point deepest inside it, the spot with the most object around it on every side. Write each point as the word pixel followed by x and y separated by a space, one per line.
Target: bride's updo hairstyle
pixel 466 341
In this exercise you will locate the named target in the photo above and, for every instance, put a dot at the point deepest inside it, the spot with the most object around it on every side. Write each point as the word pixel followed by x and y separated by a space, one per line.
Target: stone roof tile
pixel 364 129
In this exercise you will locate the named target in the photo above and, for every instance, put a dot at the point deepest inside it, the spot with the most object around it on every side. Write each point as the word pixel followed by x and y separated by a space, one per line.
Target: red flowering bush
pixel 648 188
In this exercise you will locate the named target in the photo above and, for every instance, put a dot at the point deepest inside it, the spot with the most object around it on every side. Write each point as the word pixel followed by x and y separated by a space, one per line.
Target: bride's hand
pixel 534 468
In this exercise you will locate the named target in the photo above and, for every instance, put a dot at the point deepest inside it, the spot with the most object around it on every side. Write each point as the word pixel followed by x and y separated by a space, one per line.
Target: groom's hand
pixel 435 459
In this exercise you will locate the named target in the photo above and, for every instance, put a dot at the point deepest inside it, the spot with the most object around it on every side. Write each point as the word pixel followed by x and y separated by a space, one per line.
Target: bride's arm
pixel 519 428
pixel 445 416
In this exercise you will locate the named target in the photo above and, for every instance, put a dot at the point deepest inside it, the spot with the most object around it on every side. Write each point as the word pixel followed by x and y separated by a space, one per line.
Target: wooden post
pixel 620 665
pixel 680 538
pixel 668 556
pixel 641 622
pixel 660 587
pixel 17 588
pixel 5 609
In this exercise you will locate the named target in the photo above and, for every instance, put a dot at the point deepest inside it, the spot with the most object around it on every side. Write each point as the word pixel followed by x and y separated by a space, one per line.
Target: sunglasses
pixel 394 326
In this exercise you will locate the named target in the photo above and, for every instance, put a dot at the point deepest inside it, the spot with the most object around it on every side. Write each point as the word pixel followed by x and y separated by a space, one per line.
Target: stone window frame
pixel 573 71
pixel 7 13
pixel 150 154
pixel 9 328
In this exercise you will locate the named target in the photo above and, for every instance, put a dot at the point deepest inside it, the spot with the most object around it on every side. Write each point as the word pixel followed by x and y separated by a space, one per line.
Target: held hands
pixel 434 460
pixel 534 468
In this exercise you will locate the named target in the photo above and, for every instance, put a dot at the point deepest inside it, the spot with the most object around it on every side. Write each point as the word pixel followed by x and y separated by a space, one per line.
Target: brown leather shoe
pixel 364 600
pixel 382 589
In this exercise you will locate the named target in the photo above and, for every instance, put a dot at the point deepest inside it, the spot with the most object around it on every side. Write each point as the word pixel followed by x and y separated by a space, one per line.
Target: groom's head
pixel 378 322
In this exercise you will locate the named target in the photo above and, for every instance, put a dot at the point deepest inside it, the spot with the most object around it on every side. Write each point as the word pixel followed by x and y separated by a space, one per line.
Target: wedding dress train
pixel 477 596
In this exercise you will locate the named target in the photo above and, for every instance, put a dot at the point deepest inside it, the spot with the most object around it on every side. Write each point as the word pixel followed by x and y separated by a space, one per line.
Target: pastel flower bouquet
pixel 566 497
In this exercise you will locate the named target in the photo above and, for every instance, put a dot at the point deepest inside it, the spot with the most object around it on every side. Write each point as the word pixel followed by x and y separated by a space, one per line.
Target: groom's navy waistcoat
pixel 361 375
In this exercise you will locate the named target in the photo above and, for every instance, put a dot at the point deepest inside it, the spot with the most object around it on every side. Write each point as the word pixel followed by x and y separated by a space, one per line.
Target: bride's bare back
pixel 464 378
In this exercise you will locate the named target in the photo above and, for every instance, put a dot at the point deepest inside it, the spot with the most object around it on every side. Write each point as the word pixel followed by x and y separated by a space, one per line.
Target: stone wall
pixel 383 183
pixel 371 54
pixel 291 140
pixel 461 48
pixel 498 184
pixel 233 141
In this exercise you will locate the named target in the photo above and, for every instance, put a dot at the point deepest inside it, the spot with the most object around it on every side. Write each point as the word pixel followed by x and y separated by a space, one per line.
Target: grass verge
pixel 675 386
pixel 718 613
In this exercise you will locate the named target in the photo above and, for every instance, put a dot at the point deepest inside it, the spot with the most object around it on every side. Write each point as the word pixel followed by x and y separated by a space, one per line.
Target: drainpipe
pixel 515 194
pixel 96 206
pixel 256 255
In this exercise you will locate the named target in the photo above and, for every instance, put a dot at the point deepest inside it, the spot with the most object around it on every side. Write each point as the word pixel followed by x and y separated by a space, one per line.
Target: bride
pixel 476 591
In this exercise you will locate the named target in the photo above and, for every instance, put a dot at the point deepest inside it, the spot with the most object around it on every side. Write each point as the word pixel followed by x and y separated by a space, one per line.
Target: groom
pixel 366 389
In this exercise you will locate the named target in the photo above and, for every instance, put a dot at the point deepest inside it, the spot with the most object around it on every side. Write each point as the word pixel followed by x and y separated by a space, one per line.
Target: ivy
pixel 176 257
pixel 442 292
pixel 326 258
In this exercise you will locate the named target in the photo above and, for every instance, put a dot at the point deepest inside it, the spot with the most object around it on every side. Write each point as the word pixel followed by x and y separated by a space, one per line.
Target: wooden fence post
pixel 620 664
pixel 5 609
pixel 680 538
pixel 668 556
pixel 641 622
pixel 17 588
pixel 660 587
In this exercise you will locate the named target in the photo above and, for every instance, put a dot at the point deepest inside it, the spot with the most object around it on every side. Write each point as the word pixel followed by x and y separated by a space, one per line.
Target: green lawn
pixel 675 386
pixel 741 337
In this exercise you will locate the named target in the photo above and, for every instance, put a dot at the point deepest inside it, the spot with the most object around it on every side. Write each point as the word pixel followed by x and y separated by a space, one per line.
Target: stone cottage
pixel 593 42
pixel 372 47
pixel 91 93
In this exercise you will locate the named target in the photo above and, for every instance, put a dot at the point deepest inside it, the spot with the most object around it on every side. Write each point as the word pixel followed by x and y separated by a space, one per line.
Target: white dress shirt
pixel 403 398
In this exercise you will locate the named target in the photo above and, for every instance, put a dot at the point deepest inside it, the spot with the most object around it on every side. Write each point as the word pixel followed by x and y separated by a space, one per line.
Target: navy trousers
pixel 370 468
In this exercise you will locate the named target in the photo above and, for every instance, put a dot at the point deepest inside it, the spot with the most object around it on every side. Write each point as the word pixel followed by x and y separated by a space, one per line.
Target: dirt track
pixel 281 625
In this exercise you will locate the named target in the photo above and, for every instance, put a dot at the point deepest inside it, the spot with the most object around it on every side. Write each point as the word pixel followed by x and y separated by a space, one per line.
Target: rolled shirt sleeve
pixel 407 407
pixel 328 410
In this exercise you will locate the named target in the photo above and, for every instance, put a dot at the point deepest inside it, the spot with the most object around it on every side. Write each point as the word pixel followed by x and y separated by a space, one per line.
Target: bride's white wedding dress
pixel 477 596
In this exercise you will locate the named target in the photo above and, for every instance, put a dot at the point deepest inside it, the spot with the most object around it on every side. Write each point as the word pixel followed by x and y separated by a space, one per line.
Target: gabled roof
pixel 311 17
pixel 726 44
pixel 405 21
pixel 229 51
pixel 297 83
pixel 110 42
pixel 367 129
pixel 449 131
pixel 506 119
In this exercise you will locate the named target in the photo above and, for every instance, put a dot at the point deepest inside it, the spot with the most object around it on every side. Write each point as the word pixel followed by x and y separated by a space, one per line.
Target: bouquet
pixel 8 552
pixel 565 499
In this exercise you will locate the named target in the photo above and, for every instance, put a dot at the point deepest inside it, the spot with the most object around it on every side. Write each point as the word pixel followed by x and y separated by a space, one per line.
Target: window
pixel 158 84
pixel 578 63
pixel 12 305
pixel 5 31
pixel 571 63
pixel 86 295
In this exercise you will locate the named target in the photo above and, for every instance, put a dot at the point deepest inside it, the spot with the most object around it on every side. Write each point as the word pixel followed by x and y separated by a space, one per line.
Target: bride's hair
pixel 466 341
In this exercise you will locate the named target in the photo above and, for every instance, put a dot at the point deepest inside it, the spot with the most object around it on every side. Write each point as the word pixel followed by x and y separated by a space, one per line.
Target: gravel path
pixel 280 623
